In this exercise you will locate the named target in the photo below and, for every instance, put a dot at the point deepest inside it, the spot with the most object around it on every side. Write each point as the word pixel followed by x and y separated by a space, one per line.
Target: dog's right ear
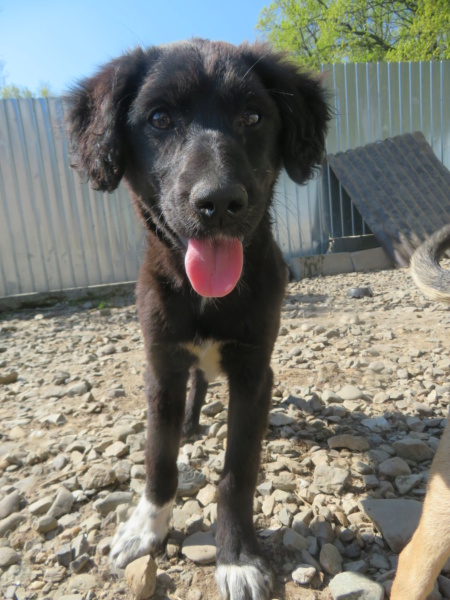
pixel 303 107
pixel 96 118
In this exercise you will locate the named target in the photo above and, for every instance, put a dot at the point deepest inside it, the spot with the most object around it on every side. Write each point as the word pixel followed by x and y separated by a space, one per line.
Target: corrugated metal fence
pixel 56 233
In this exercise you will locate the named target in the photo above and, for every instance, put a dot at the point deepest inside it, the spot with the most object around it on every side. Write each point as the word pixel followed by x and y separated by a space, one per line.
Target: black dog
pixel 199 130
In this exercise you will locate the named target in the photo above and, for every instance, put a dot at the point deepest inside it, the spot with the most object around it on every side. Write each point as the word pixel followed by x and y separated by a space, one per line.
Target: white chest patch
pixel 208 357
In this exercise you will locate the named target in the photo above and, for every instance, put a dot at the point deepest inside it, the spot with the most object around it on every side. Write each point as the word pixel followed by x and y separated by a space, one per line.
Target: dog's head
pixel 200 131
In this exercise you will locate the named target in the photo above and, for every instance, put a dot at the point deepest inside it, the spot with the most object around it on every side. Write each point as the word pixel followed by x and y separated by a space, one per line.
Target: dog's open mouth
pixel 214 266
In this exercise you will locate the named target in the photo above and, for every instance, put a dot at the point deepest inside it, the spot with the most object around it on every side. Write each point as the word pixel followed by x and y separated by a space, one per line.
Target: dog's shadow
pixel 304 449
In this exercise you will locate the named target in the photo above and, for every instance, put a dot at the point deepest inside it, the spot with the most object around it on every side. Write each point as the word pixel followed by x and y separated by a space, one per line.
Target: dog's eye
pixel 161 120
pixel 250 117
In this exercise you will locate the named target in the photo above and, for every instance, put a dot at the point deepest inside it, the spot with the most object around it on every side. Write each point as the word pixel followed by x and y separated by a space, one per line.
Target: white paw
pixel 144 532
pixel 244 582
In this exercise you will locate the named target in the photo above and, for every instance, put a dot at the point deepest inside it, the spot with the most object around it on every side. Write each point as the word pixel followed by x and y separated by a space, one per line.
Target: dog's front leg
pixel 196 398
pixel 148 526
pixel 242 573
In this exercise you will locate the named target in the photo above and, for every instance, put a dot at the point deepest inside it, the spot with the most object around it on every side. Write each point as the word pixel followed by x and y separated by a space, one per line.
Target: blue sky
pixel 60 41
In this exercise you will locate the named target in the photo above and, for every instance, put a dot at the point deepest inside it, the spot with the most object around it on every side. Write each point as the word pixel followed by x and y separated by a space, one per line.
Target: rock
pixel 9 504
pixel 54 574
pixel 207 495
pixel 122 470
pixel 83 582
pixel 329 397
pixel 444 586
pixel 40 507
pixel 285 517
pixel 395 519
pixel 53 392
pixel 117 393
pixel 190 481
pixel 200 548
pixel 92 523
pixel 80 546
pixel 107 350
pixel 194 524
pixel 294 541
pixel 62 504
pixel 64 555
pixel 17 433
pixel 330 480
pixel 7 378
pixel 78 389
pixel 393 467
pixel 268 506
pixel 302 521
pixel 79 563
pixel 357 566
pixel 59 377
pixel 370 482
pixel 285 481
pixel 412 449
pixel 303 574
pixel 350 392
pixel 277 419
pixel 97 477
pixel 330 559
pixel 265 488
pixel 194 594
pixel 322 530
pixel 377 424
pixel 116 450
pixel 355 586
pixel 57 419
pixel 59 462
pixel 179 518
pixel 377 366
pixel 112 501
pixel 406 483
pixel 46 524
pixel 212 409
pixel 378 561
pixel 172 549
pixel 351 442
pixel 104 546
pixel 11 523
pixel 8 557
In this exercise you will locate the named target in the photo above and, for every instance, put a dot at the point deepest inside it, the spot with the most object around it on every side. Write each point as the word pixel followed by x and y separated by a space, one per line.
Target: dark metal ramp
pixel 400 188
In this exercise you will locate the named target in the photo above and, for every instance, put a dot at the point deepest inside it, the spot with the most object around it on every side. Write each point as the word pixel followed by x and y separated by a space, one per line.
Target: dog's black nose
pixel 221 204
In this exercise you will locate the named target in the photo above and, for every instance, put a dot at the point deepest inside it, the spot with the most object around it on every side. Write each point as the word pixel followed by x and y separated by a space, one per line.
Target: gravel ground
pixel 360 402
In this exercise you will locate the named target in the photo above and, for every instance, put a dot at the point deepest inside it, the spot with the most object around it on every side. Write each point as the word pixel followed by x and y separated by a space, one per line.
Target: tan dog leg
pixel 423 558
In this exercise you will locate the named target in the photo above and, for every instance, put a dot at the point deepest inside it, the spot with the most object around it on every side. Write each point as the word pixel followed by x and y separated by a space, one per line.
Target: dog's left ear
pixel 96 119
pixel 302 103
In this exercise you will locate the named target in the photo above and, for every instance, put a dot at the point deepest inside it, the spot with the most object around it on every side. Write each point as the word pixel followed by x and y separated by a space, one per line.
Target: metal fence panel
pixel 57 233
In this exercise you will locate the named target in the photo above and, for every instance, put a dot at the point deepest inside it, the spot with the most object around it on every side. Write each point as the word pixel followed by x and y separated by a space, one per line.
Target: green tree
pixel 45 91
pixel 428 38
pixel 330 31
pixel 15 91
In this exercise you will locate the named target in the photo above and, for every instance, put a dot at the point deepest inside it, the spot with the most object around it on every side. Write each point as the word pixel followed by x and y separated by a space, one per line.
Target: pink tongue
pixel 214 266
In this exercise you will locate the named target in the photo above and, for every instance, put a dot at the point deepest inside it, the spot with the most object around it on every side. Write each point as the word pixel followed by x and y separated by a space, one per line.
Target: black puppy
pixel 199 131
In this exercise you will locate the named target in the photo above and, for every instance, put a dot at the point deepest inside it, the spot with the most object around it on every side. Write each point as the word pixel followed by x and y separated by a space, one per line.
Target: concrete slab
pixel 371 260
pixel 375 259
